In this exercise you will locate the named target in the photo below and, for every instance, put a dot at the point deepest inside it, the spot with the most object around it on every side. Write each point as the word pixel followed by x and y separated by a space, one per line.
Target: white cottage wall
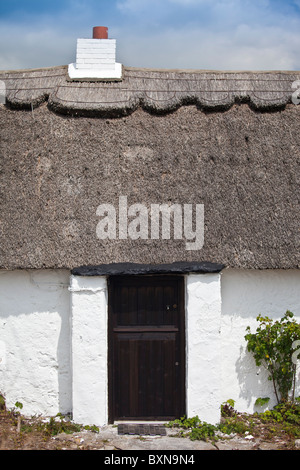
pixel 53 340
pixel 89 350
pixel 245 295
pixel 203 360
pixel 35 364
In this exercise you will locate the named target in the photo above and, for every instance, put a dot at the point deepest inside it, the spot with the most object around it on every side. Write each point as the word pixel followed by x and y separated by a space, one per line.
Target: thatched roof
pixel 228 140
pixel 155 90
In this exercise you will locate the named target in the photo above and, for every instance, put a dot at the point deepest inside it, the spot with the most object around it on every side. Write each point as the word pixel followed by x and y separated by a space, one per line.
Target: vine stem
pixel 19 425
pixel 270 368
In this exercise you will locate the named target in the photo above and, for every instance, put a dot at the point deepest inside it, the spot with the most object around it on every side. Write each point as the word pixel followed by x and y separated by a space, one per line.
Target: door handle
pixel 169 306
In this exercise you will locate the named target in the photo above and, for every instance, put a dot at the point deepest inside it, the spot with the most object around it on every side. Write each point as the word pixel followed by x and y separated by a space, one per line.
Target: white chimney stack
pixel 96 58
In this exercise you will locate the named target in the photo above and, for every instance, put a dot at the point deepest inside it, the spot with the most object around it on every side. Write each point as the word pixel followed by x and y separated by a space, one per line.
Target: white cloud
pixel 156 7
pixel 226 34
pixel 246 49
pixel 134 5
pixel 236 34
pixel 34 41
pixel 190 2
pixel 230 5
pixel 39 47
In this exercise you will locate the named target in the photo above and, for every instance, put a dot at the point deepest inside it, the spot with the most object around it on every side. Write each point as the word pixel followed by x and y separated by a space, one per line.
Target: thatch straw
pixel 156 90
pixel 242 163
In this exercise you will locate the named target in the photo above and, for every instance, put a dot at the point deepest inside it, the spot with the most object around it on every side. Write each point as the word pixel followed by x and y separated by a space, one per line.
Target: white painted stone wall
pixel 245 295
pixel 53 340
pixel 203 348
pixel 35 367
pixel 89 350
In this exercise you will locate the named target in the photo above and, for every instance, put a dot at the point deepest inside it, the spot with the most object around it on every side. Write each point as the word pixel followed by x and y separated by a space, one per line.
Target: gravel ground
pixel 31 436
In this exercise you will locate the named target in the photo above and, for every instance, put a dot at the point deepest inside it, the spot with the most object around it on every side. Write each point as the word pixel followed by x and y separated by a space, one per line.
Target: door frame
pixel 182 344
pixel 89 345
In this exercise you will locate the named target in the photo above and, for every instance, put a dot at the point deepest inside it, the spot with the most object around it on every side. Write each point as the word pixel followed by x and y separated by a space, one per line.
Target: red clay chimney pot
pixel 100 32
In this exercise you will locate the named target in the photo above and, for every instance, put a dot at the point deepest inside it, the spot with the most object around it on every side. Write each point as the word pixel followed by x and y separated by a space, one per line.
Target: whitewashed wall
pixel 53 340
pixel 89 350
pixel 35 367
pixel 245 295
pixel 203 351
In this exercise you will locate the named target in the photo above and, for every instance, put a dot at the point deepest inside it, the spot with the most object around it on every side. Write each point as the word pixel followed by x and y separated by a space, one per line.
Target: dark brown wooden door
pixel 146 348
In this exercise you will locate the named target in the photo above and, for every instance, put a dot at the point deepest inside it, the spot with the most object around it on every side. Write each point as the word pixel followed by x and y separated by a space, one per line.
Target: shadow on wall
pixel 35 337
pixel 245 295
pixel 253 382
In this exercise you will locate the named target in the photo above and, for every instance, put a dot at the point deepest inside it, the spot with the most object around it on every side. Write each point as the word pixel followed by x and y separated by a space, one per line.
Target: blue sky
pixel 186 34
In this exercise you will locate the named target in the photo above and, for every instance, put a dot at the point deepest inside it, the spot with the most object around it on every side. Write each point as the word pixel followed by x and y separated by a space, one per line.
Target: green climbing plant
pixel 274 346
